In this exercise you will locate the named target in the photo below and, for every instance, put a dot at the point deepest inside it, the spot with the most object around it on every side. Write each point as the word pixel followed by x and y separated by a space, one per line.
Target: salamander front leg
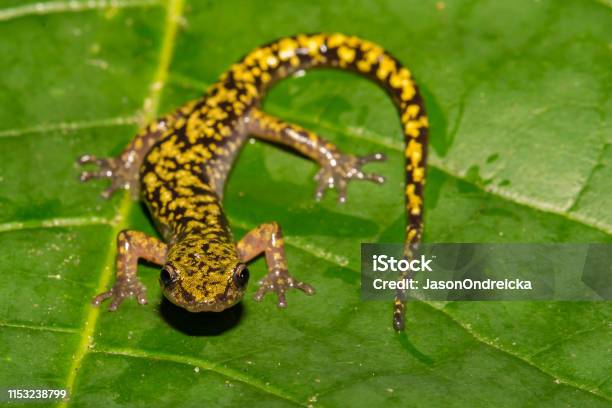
pixel 132 246
pixel 268 239
pixel 342 168
pixel 123 170
pixel 337 168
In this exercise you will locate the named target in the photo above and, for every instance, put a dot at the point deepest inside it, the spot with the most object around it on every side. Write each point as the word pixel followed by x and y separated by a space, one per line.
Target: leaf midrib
pixel 174 9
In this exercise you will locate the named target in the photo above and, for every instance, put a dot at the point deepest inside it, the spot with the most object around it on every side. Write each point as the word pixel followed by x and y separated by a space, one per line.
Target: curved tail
pixel 258 70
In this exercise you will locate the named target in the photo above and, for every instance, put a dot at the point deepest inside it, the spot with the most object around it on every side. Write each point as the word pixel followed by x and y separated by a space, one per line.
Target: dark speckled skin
pixel 180 164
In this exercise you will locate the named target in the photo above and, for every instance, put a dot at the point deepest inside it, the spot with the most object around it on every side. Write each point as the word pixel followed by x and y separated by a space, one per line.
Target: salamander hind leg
pixel 337 168
pixel 132 246
pixel 268 239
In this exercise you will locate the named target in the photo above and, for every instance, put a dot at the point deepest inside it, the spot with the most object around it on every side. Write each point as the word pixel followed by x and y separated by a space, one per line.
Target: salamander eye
pixel 241 276
pixel 167 276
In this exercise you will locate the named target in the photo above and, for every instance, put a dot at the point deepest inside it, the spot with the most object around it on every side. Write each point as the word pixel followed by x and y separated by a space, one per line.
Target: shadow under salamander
pixel 203 323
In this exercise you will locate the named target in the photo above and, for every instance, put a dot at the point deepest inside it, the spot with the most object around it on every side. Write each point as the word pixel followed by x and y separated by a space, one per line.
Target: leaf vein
pixel 69 6
pixel 207 365
pixel 70 126
pixel 572 336
pixel 574 204
pixel 482 339
pixel 39 328
pixel 53 223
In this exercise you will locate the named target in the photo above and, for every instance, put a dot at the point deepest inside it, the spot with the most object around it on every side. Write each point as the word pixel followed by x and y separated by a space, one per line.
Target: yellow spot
pixel 424 121
pixel 373 54
pixel 411 112
pixel 414 152
pixel 385 67
pixel 272 61
pixel 287 48
pixel 364 66
pixel 411 128
pixel 418 175
pixel 408 92
pixel 346 54
pixel 414 201
pixel 336 40
pixel 411 234
pixel 153 156
pixel 400 79
pixel 165 196
pixel 313 43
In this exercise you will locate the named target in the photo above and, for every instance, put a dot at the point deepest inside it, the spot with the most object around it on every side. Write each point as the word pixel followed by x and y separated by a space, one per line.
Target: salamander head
pixel 203 275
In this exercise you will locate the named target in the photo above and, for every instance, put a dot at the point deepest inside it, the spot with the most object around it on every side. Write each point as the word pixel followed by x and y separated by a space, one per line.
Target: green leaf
pixel 519 98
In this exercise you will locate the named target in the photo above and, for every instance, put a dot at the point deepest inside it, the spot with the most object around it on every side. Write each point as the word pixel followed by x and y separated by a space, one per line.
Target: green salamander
pixel 179 165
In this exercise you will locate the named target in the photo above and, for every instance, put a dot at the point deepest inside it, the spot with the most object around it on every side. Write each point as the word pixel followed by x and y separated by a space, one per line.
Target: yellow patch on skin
pixel 312 43
pixel 287 48
pixel 400 79
pixel 408 92
pixel 335 40
pixel 346 54
pixel 414 201
pixel 411 112
pixel 165 196
pixel 418 174
pixel 153 156
pixel 183 191
pixel 364 66
pixel 424 121
pixel 414 152
pixel 272 61
pixel 373 55
pixel 411 128
pixel 385 67
pixel 411 234
pixel 353 41
pixel 150 179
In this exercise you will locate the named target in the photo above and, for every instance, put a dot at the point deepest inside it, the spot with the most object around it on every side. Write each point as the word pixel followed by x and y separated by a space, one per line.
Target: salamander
pixel 178 165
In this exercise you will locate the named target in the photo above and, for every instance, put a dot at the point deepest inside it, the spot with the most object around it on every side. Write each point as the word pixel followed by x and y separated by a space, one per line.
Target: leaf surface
pixel 519 99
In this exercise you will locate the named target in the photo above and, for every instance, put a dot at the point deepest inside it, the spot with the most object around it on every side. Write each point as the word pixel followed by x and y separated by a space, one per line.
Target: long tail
pixel 261 68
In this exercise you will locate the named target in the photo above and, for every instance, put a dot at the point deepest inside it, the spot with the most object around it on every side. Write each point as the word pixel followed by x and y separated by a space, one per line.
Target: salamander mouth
pixel 217 305
pixel 209 307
